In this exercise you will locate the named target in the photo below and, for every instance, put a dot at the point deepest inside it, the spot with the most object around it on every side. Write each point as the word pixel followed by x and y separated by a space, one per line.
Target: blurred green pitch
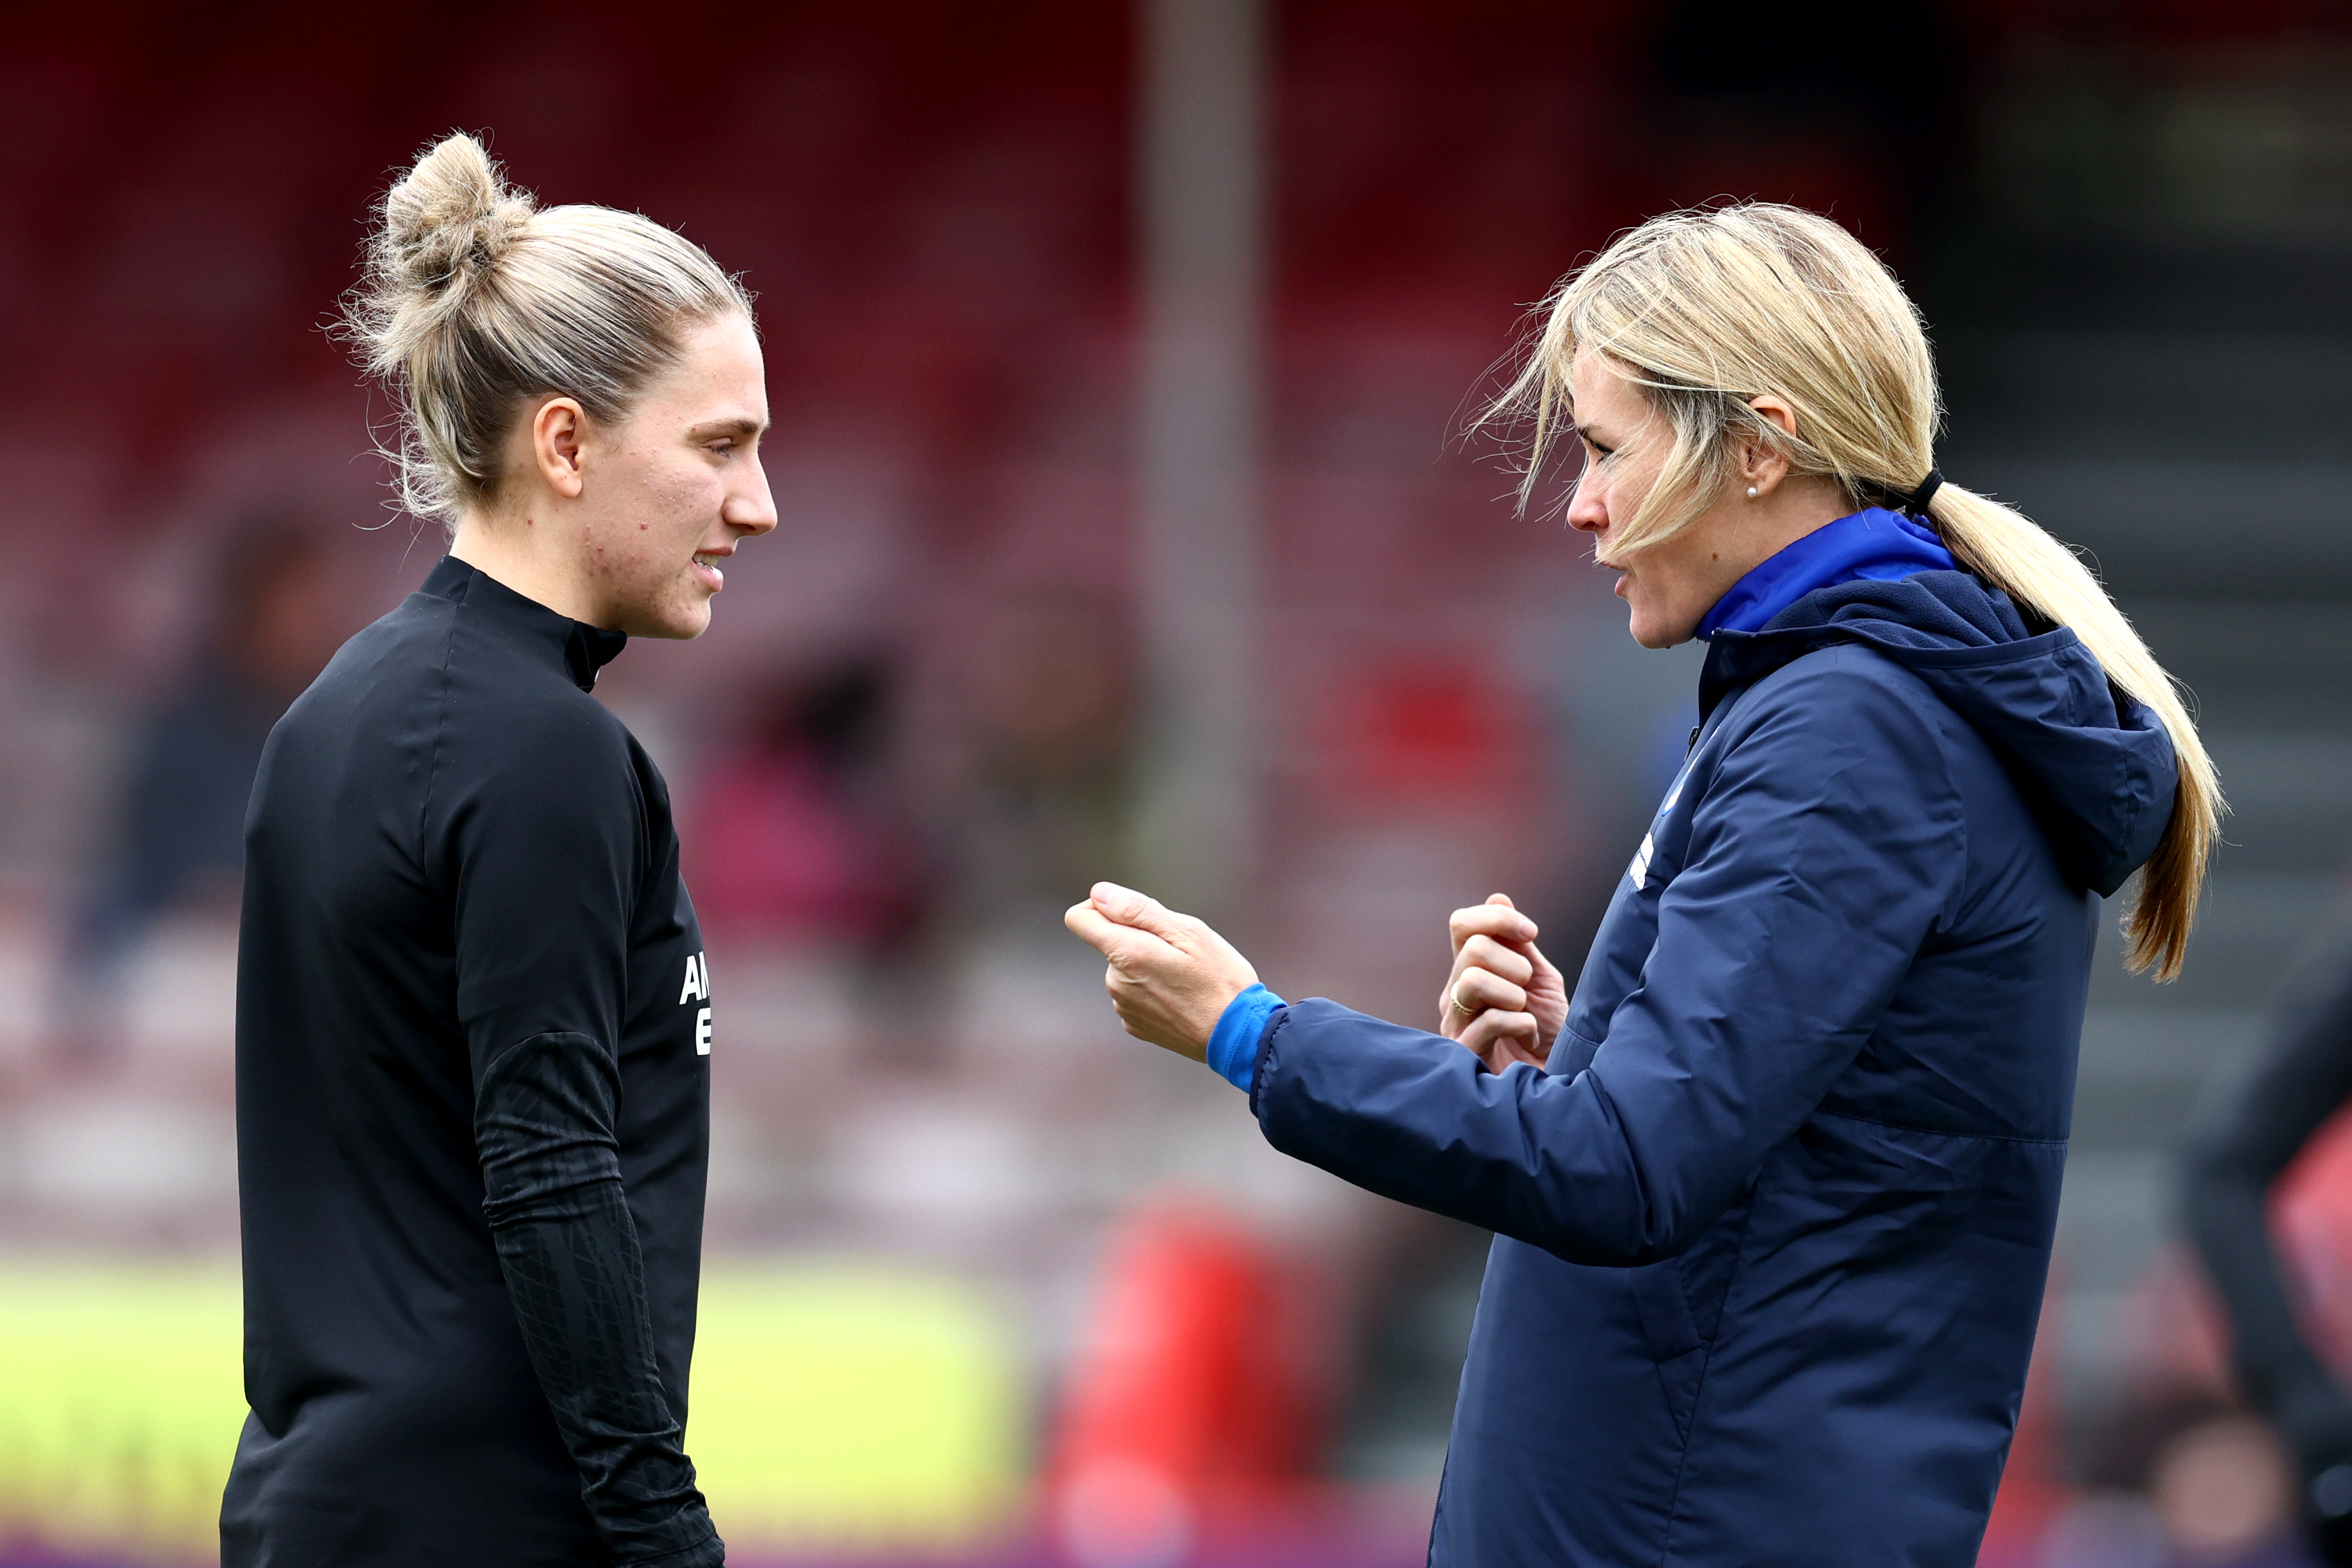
pixel 834 1407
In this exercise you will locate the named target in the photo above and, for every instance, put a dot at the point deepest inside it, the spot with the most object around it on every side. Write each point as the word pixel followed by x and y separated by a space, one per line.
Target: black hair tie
pixel 1916 501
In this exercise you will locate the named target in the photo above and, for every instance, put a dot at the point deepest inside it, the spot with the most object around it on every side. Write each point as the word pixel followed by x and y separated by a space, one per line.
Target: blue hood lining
pixel 1873 543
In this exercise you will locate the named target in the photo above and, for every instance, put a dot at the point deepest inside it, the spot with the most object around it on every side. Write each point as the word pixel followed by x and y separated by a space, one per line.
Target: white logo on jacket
pixel 1639 869
pixel 698 989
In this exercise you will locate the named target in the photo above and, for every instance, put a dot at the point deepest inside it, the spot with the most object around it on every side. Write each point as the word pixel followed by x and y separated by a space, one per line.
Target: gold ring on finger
pixel 1455 997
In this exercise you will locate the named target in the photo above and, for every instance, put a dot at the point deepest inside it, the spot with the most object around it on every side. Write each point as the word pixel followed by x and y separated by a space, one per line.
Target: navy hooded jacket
pixel 1774 1221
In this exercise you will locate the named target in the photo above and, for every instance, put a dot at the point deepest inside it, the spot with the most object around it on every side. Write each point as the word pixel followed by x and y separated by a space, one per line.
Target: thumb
pixel 1502 898
pixel 1129 907
pixel 1086 923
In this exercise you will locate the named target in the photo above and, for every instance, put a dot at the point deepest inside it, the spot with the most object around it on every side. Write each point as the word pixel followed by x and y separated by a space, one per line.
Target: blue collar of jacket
pixel 1873 543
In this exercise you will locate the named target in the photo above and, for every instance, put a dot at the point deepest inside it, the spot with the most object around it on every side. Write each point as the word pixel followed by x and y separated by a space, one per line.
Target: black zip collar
pixel 584 649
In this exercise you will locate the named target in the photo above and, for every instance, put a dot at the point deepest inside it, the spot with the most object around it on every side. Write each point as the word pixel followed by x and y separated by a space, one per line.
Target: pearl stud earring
pixel 1751 492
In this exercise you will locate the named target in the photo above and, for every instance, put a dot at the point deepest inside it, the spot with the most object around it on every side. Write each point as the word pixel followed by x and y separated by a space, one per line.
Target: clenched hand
pixel 1504 1000
pixel 1170 975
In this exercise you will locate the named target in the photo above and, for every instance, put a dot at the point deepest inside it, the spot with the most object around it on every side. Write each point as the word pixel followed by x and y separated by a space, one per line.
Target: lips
pixel 706 567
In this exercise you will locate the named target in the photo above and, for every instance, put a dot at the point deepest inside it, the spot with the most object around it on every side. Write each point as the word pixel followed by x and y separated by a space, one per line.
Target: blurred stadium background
pixel 1116 354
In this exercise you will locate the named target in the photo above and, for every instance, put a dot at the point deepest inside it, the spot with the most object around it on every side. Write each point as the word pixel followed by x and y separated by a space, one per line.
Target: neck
pixel 522 554
pixel 1764 528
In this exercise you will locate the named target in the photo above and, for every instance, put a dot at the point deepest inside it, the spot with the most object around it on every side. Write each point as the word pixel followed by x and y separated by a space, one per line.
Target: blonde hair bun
pixel 476 301
pixel 450 219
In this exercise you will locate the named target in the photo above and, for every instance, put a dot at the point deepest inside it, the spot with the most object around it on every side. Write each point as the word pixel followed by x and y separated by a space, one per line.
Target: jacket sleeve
pixel 547 856
pixel 1824 849
pixel 2237 1155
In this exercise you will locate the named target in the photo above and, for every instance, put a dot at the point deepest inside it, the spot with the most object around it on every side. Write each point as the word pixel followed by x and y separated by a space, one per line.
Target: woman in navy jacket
pixel 1774 1191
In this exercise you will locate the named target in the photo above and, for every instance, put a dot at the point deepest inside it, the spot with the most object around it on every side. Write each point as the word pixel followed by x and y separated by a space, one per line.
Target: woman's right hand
pixel 1503 1001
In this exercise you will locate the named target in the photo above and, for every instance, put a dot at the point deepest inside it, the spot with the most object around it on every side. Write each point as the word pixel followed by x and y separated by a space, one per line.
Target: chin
pixel 671 623
pixel 1652 630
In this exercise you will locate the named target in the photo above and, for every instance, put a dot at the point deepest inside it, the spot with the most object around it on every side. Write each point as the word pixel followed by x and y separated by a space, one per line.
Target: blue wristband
pixel 1233 1045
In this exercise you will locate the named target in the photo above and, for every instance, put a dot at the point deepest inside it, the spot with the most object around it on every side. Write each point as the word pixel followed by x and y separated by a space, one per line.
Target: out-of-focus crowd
pixel 912 739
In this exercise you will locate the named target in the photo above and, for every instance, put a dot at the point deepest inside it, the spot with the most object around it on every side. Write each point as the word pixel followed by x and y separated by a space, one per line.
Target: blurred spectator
pixel 798 838
pixel 2234 1167
pixel 1047 811
pixel 2223 1493
pixel 177 836
pixel 2181 1481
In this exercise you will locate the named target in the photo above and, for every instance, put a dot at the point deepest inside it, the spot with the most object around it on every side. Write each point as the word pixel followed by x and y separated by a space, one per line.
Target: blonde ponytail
pixel 2016 555
pixel 1704 310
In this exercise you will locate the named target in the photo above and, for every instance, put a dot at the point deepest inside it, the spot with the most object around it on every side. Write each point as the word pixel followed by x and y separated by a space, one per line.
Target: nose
pixel 753 509
pixel 1588 511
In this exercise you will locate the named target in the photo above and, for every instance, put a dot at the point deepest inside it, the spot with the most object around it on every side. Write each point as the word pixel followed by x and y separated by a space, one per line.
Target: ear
pixel 1762 466
pixel 557 430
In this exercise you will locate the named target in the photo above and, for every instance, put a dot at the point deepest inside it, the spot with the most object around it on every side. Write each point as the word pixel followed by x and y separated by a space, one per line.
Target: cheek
pixel 1628 492
pixel 674 507
pixel 686 487
pixel 1680 579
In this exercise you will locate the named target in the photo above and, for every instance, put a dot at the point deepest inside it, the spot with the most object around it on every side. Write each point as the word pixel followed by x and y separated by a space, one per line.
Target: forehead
pixel 1599 394
pixel 719 370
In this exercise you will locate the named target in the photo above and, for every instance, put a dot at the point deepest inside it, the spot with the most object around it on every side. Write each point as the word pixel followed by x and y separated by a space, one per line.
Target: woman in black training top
pixel 473 1012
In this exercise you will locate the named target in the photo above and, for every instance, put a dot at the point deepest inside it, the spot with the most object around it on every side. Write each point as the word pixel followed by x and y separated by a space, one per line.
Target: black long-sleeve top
pixel 473 1112
pixel 2236 1155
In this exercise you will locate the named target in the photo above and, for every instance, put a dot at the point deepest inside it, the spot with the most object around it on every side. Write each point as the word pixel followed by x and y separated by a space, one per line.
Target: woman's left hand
pixel 1503 1001
pixel 1169 977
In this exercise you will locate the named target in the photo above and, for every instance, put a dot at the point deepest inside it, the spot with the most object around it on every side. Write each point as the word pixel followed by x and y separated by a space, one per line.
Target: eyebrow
pixel 745 428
